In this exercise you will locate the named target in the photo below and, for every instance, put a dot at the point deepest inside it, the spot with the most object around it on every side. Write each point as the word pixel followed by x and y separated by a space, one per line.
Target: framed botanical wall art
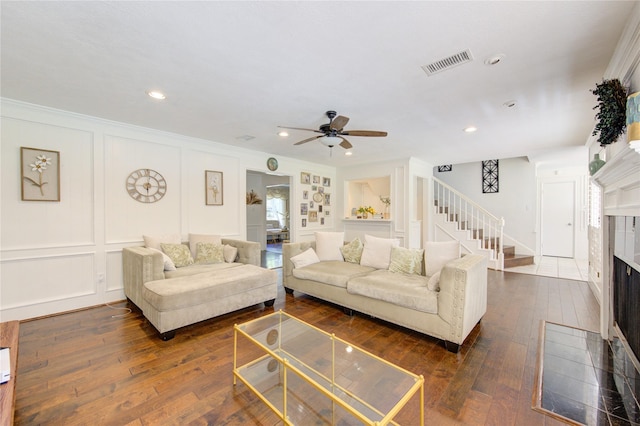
pixel 40 174
pixel 213 188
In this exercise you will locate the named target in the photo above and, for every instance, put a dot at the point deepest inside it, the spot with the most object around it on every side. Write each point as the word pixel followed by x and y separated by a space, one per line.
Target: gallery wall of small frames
pixel 316 196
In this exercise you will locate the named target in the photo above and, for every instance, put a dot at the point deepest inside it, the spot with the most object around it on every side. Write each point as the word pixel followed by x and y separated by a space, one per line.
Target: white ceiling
pixel 231 69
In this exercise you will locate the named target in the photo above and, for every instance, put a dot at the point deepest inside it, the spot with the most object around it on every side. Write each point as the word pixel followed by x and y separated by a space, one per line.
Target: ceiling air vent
pixel 448 63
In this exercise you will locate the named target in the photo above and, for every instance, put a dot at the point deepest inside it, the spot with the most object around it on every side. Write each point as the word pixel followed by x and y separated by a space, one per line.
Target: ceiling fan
pixel 333 132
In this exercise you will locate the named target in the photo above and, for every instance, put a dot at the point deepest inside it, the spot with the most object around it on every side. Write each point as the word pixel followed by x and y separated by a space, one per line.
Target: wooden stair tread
pixel 517 260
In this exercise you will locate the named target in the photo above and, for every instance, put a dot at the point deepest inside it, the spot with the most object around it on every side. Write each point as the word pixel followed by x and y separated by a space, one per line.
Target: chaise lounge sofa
pixel 171 299
pixel 448 312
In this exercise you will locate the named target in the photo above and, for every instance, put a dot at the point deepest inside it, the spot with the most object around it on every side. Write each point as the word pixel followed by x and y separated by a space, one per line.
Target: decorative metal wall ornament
pixel 490 181
pixel 445 168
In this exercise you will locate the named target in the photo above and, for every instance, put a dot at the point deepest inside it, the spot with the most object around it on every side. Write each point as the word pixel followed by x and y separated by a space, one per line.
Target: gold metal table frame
pixel 308 376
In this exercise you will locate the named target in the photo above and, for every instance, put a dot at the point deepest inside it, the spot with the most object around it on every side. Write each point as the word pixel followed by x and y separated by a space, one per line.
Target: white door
pixel 558 212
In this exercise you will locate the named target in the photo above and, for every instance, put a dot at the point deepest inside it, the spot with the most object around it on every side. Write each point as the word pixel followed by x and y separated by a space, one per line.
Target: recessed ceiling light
pixel 509 104
pixel 156 95
pixel 494 60
pixel 245 138
pixel 470 129
pixel 348 153
pixel 283 133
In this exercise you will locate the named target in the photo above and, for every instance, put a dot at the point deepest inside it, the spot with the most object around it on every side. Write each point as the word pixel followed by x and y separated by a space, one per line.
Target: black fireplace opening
pixel 626 302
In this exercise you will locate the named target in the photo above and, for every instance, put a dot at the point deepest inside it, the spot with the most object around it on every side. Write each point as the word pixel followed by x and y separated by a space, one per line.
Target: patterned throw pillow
pixel 352 251
pixel 406 261
pixel 209 253
pixel 179 254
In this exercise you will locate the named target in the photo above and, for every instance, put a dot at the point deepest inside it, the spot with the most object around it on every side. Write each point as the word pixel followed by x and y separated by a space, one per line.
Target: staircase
pixel 479 231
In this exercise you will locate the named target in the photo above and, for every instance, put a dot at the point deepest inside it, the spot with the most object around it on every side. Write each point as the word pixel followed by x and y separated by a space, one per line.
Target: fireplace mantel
pixel 620 182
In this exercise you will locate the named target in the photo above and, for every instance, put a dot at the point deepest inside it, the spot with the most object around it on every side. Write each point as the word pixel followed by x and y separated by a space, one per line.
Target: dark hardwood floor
pixel 96 367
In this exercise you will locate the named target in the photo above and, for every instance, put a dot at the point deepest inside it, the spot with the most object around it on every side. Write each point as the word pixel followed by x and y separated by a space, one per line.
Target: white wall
pixel 59 256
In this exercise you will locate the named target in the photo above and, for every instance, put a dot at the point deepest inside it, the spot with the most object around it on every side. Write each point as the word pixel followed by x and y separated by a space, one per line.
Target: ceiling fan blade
pixel 339 122
pixel 364 133
pixel 345 143
pixel 300 128
pixel 309 140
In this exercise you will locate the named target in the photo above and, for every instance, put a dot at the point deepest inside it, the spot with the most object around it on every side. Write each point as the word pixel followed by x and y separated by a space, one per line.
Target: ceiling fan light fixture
pixel 330 141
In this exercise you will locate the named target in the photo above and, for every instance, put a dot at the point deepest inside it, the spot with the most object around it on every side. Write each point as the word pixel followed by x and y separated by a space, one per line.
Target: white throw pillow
pixel 230 253
pixel 439 253
pixel 377 251
pixel 307 257
pixel 194 239
pixel 154 241
pixel 328 245
pixel 434 282
pixel 168 263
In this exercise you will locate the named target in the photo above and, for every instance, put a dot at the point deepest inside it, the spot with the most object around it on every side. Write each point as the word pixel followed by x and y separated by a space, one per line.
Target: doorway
pixel 558 219
pixel 268 219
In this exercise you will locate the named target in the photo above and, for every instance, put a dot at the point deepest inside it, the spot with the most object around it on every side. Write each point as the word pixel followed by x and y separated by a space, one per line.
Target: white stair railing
pixel 481 224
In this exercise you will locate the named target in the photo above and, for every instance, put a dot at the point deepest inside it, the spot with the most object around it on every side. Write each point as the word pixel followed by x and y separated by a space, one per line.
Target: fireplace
pixel 619 181
pixel 626 279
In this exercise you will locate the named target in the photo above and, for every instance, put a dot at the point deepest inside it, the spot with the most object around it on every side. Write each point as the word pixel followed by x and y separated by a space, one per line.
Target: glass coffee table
pixel 310 377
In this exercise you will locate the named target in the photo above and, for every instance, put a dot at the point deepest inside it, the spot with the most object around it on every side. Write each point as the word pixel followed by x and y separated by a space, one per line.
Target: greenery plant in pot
pixel 611 118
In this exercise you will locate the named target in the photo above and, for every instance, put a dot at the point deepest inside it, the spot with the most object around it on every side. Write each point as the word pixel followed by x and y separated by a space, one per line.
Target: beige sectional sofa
pixel 404 299
pixel 193 293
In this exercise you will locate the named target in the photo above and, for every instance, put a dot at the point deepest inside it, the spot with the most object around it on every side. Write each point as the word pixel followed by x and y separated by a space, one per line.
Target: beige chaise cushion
pixel 199 269
pixel 408 290
pixel 171 294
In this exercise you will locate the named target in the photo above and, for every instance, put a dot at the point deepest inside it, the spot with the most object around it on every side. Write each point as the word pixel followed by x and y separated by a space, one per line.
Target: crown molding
pixel 626 56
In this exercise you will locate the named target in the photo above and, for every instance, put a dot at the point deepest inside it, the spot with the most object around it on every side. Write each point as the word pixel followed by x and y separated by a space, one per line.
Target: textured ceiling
pixel 231 69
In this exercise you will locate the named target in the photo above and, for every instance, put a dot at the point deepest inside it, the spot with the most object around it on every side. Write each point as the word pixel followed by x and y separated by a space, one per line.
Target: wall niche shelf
pixel 367 193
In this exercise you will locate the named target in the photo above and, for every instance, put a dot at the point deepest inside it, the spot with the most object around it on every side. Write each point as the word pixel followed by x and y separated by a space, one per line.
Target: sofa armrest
pixel 288 251
pixel 248 251
pixel 140 265
pixel 462 300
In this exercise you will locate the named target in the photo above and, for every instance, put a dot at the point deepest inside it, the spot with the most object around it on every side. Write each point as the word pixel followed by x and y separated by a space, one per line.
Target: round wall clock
pixel 272 164
pixel 318 197
pixel 146 185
